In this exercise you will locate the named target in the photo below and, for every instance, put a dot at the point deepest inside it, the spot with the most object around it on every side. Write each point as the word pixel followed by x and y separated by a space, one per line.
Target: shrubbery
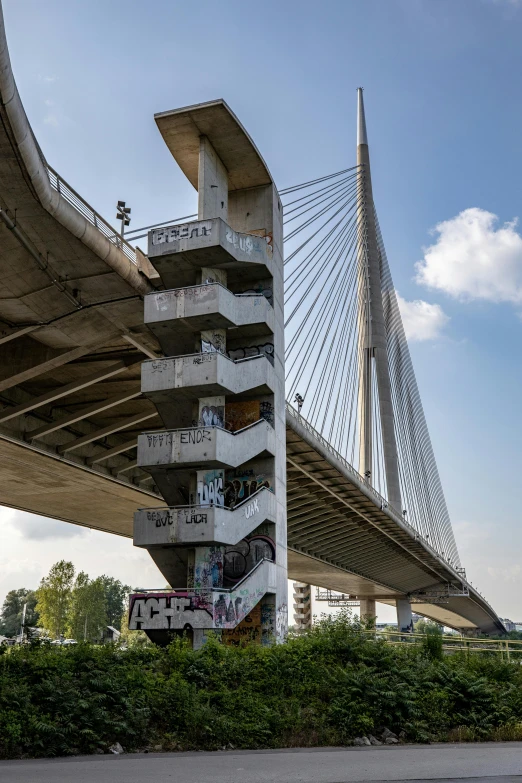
pixel 322 688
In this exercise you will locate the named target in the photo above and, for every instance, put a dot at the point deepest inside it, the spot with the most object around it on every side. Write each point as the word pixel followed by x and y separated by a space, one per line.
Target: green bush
pixel 322 688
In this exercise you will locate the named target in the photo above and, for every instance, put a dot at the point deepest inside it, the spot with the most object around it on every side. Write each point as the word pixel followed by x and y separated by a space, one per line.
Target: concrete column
pixel 367 611
pixel 404 616
pixel 212 183
pixel 302 606
pixel 258 211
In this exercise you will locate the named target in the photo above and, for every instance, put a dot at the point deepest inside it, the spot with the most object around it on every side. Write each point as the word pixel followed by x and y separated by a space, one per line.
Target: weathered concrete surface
pixel 206 306
pixel 180 250
pixel 39 482
pixel 208 446
pixel 202 609
pixel 182 130
pixel 494 763
pixel 203 525
pixel 70 300
pixel 205 375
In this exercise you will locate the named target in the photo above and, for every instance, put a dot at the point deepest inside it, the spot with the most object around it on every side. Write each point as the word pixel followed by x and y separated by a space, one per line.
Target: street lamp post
pixel 123 215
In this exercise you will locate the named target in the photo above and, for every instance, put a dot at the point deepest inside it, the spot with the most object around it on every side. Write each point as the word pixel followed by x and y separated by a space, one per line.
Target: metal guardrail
pixel 381 501
pixel 452 642
pixel 80 205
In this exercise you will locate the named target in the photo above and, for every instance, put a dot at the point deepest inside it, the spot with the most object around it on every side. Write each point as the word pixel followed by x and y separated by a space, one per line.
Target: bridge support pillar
pixel 367 610
pixel 302 606
pixel 404 616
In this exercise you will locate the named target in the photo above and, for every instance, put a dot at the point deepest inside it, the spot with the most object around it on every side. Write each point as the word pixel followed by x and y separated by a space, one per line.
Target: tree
pixel 54 596
pixel 426 626
pixel 12 611
pixel 88 609
pixel 116 595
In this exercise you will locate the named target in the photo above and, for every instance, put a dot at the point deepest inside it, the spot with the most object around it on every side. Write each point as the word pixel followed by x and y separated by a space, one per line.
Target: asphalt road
pixel 488 762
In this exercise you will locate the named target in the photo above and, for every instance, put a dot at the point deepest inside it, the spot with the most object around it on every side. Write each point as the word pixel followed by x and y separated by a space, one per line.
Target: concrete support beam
pixel 103 455
pixel 138 343
pixel 9 333
pixel 84 413
pixel 103 432
pixel 62 391
pixel 126 468
pixel 43 367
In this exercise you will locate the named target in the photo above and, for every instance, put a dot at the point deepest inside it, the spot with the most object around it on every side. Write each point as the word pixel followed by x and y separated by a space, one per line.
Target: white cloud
pixel 51 119
pixel 474 258
pixel 421 320
pixel 36 528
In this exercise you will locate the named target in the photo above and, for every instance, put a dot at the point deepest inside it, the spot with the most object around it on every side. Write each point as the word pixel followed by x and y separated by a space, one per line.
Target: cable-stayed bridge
pixel 365 510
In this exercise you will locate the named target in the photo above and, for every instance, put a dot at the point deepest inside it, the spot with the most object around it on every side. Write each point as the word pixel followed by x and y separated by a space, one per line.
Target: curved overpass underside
pixel 71 342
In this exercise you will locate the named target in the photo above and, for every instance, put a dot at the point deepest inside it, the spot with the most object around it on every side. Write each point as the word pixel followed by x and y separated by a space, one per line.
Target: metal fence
pixel 81 206
pixel 506 648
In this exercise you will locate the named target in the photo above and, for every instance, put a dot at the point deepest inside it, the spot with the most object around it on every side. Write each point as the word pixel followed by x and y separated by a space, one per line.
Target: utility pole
pixel 372 331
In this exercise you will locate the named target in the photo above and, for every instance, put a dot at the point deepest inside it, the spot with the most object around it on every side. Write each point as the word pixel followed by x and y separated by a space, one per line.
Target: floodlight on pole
pixel 122 214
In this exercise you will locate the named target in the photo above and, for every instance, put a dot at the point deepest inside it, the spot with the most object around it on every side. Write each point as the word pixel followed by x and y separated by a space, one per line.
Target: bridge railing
pixel 506 648
pixel 379 499
pixel 94 218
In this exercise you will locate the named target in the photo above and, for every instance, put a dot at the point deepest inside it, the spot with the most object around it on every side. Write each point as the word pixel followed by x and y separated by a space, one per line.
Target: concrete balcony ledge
pixel 186 247
pixel 205 375
pixel 203 525
pixel 209 306
pixel 202 609
pixel 204 446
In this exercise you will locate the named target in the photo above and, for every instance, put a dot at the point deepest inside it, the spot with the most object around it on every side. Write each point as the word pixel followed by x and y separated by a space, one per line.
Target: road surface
pixel 488 762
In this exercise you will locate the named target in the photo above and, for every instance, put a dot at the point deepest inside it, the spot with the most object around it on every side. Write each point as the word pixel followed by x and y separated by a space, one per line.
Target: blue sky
pixel 444 111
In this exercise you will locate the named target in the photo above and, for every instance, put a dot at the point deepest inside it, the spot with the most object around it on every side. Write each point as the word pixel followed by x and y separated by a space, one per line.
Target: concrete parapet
pixel 204 375
pixel 210 305
pixel 204 446
pixel 177 252
pixel 203 525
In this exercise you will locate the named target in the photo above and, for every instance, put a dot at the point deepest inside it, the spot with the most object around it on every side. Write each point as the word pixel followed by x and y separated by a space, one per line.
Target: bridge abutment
pixel 220 465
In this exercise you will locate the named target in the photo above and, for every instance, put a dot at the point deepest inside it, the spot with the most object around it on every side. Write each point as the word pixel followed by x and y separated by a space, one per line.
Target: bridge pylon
pixel 374 375
pixel 220 464
pixel 372 330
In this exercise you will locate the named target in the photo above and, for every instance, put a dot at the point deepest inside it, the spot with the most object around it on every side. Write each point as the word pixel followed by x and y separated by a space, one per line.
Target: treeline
pixel 66 604
pixel 328 686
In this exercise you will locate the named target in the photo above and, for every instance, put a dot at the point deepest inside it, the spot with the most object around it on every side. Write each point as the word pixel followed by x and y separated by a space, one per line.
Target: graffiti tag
pixel 183 231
